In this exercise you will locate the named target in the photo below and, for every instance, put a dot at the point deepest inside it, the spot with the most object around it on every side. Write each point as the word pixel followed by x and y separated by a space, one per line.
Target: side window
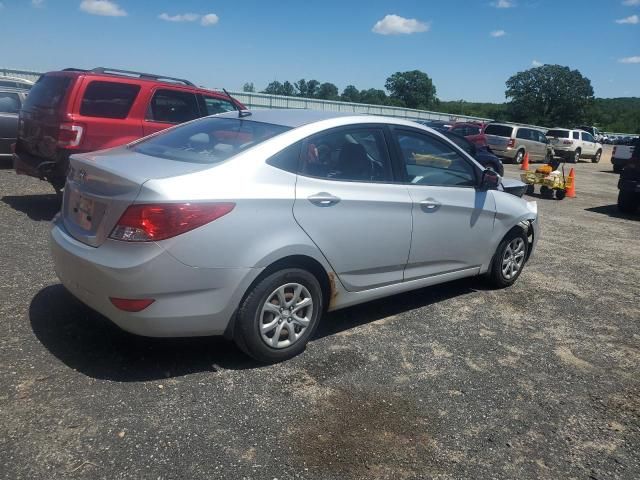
pixel 523 133
pixel 108 99
pixel 218 105
pixel 287 159
pixel 173 106
pixel 429 161
pixel 356 154
pixel 587 137
pixel 9 102
pixel 462 131
pixel 576 135
pixel 473 131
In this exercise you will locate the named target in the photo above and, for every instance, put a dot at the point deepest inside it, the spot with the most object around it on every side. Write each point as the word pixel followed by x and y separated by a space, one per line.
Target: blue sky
pixel 468 47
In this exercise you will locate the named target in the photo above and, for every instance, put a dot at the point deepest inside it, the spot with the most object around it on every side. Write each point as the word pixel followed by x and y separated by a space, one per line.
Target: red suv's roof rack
pixel 130 73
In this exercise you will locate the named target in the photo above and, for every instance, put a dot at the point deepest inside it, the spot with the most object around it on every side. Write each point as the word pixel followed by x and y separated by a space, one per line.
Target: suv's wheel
pixel 627 202
pixel 596 159
pixel 279 315
pixel 519 157
pixel 509 259
pixel 576 156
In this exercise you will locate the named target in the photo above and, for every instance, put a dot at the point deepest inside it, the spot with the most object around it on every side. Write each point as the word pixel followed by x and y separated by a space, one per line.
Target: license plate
pixel 83 212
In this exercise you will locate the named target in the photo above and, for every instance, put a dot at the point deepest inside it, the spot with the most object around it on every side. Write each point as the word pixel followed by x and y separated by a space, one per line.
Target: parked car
pixel 253 226
pixel 482 154
pixel 629 183
pixel 511 142
pixel 620 156
pixel 11 99
pixel 14 82
pixel 595 133
pixel 472 131
pixel 85 110
pixel 572 145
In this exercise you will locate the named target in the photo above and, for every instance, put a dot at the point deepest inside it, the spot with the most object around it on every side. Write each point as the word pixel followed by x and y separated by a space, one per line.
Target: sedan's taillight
pixel 147 223
pixel 70 135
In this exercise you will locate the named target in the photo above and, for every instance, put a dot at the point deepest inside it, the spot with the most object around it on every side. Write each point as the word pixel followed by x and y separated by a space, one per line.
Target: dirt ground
pixel 539 381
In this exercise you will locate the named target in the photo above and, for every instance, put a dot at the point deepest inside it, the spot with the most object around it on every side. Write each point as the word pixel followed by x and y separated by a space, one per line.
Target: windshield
pixel 558 133
pixel 208 140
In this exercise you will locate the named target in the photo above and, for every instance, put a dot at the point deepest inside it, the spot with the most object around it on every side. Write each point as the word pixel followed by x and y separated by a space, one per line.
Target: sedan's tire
pixel 279 315
pixel 509 259
pixel 575 158
pixel 596 159
pixel 628 202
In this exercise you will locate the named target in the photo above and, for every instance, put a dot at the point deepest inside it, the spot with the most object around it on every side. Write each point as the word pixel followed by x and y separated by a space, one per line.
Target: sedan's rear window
pixel 48 92
pixel 558 133
pixel 208 140
pixel 499 130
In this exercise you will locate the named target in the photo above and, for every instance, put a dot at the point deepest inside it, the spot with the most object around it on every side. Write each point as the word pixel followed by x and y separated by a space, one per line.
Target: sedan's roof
pixel 289 117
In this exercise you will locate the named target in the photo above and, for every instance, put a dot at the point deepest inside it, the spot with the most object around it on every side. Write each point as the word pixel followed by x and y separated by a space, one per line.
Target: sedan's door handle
pixel 430 205
pixel 323 199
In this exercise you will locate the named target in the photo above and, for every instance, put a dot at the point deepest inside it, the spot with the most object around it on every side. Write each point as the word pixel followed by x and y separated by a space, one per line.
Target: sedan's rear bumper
pixel 188 301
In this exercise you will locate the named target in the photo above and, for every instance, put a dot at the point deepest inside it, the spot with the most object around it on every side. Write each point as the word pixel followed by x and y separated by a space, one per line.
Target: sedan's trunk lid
pixel 101 185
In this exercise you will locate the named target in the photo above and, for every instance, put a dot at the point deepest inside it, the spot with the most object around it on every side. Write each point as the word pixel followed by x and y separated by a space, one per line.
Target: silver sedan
pixel 253 224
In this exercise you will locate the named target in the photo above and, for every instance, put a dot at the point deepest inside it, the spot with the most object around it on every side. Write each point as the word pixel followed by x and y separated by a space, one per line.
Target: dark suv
pixel 11 99
pixel 629 183
pixel 73 110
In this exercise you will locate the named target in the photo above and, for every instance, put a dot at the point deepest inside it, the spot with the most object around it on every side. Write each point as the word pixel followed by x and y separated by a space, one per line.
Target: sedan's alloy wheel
pixel 286 315
pixel 513 258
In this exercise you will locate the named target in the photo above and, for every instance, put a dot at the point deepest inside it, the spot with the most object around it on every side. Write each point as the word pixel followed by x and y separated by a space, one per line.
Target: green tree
pixel 288 89
pixel 550 95
pixel 414 88
pixel 328 91
pixel 350 94
pixel 373 96
pixel 248 87
pixel 274 88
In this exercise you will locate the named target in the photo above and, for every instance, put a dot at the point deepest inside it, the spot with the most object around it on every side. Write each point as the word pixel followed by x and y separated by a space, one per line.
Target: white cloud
pixel 633 20
pixel 183 17
pixel 209 19
pixel 37 3
pixel 396 25
pixel 105 8
pixel 631 3
pixel 205 20
pixel 630 60
pixel 536 63
pixel 503 4
pixel 498 33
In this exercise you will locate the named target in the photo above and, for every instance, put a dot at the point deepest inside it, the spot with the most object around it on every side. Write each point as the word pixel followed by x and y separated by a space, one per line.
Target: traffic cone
pixel 571 191
pixel 525 162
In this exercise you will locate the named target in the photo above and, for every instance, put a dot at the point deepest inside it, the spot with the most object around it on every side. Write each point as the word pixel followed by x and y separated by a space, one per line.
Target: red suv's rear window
pixel 48 92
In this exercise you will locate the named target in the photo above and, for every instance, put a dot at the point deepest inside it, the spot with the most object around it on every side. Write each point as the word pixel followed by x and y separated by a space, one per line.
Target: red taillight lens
pixel 146 223
pixel 70 135
pixel 131 305
pixel 511 143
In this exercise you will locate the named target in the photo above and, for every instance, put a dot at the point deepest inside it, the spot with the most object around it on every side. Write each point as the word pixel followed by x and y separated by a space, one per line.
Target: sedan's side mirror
pixel 490 180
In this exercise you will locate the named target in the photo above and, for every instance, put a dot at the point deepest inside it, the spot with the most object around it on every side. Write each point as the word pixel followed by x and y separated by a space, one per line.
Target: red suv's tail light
pixel 511 143
pixel 146 223
pixel 70 135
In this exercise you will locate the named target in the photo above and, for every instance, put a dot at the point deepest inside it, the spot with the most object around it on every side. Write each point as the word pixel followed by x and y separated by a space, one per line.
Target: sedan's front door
pixel 452 220
pixel 347 204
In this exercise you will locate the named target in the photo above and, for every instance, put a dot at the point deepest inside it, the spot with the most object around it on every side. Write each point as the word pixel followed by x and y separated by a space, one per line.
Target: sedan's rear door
pixel 347 203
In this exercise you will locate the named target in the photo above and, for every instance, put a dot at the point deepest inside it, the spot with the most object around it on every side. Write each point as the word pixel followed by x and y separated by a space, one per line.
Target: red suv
pixel 474 132
pixel 75 110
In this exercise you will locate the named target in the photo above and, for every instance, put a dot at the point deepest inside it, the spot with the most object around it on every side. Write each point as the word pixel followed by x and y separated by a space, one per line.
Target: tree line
pixel 548 95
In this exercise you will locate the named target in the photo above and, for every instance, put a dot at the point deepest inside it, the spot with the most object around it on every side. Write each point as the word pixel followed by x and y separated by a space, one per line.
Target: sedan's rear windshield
pixel 498 130
pixel 208 140
pixel 558 133
pixel 47 92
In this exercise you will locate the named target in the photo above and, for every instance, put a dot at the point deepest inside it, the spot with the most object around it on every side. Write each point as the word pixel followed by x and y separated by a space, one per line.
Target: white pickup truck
pixel 620 156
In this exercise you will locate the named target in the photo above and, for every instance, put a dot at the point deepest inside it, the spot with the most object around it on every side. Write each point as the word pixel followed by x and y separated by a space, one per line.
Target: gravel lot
pixel 541 380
